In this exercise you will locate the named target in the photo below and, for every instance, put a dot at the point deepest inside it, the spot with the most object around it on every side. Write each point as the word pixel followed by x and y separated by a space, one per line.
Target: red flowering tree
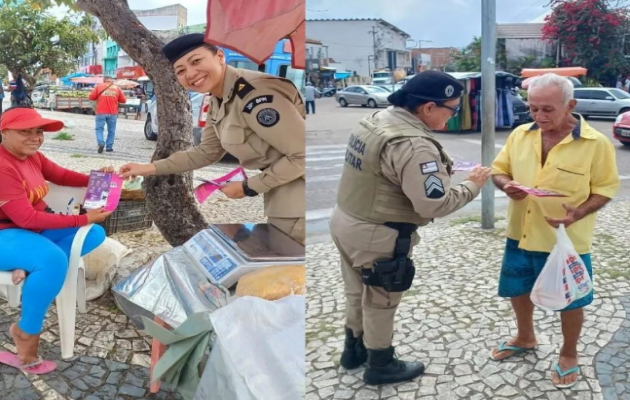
pixel 591 33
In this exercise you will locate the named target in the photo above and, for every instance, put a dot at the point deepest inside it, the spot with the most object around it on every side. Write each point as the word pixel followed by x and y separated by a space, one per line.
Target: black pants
pixel 310 103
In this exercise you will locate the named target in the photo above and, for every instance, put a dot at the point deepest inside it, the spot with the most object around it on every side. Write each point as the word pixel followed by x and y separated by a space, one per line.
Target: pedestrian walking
pixel 560 152
pixel 310 93
pixel 396 178
pixel 107 97
pixel 1 96
pixel 256 117
pixel 19 95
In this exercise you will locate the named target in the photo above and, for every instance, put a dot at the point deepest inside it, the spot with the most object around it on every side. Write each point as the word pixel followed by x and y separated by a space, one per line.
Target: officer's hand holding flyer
pixel 204 190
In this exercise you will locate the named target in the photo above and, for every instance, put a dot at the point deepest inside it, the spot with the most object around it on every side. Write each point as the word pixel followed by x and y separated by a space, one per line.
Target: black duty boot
pixel 383 367
pixel 354 351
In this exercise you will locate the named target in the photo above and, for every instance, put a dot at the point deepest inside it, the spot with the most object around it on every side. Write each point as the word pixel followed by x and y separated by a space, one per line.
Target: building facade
pixel 362 45
pixel 439 57
pixel 108 58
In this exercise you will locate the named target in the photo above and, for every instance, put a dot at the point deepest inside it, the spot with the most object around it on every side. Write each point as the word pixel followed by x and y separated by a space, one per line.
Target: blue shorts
pixel 520 269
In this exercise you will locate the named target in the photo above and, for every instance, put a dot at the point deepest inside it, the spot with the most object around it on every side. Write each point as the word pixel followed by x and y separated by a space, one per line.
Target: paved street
pixel 452 317
pixel 326 137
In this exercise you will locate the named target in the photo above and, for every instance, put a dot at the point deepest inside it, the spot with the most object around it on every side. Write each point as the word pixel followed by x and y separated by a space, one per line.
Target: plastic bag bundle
pixel 564 278
pixel 272 283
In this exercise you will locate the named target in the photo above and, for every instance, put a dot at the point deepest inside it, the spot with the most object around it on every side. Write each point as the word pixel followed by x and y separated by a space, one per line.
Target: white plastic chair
pixel 62 200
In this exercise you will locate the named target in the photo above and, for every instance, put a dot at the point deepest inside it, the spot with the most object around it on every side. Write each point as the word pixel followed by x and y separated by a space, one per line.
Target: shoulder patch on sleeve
pixel 242 88
pixel 429 167
pixel 434 187
pixel 268 117
pixel 256 101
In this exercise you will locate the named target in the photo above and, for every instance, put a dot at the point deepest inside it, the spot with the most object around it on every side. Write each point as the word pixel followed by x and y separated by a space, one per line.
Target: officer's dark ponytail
pixel 401 99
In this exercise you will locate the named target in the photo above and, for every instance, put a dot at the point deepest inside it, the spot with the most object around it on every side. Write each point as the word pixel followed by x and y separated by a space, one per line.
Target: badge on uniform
pixel 258 100
pixel 268 117
pixel 433 187
pixel 243 88
pixel 429 167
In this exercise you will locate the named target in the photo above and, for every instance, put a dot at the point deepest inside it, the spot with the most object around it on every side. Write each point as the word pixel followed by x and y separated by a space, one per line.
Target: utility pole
pixel 488 95
pixel 374 46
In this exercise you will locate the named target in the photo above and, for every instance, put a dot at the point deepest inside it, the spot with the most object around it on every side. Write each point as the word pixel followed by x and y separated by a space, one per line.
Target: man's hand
pixel 233 190
pixel 107 170
pixel 513 192
pixel 573 215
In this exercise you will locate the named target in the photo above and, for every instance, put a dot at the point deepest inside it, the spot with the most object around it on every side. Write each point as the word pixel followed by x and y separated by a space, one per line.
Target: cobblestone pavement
pixel 452 317
pixel 111 355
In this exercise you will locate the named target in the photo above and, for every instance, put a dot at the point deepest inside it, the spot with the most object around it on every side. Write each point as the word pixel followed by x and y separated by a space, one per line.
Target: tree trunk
pixel 169 198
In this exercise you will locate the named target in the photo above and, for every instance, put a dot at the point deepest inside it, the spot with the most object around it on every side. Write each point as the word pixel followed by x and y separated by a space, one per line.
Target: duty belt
pixel 396 274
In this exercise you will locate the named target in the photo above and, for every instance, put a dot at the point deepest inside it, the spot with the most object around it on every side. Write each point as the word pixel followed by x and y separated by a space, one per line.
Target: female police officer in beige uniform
pixel 256 117
pixel 396 178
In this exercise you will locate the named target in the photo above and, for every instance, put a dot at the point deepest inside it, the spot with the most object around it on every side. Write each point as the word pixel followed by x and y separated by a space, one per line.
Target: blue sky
pixel 444 22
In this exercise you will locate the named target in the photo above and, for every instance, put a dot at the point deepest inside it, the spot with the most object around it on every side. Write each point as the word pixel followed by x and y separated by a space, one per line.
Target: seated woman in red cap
pixel 34 243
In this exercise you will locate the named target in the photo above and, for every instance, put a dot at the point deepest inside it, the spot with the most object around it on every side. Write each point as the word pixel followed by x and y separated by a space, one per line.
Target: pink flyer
pixel 104 190
pixel 539 192
pixel 203 191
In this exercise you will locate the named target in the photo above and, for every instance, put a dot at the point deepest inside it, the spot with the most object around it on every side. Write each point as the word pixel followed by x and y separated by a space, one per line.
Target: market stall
pixel 185 295
pixel 469 118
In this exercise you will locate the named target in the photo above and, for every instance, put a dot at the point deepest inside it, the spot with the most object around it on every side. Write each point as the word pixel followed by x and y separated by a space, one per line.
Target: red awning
pixel 255 32
pixel 133 72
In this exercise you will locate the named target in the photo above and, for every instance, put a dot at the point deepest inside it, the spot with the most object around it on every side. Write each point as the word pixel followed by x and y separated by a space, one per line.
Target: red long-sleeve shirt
pixel 23 188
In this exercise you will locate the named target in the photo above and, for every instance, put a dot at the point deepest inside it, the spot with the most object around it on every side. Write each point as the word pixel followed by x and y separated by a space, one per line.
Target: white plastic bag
pixel 564 278
pixel 259 352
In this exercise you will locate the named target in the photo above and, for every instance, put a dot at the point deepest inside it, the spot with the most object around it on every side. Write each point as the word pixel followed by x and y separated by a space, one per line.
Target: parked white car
pixel 151 124
pixel 601 101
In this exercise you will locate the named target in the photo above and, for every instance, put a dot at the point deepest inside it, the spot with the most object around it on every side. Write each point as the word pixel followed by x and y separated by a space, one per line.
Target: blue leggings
pixel 44 256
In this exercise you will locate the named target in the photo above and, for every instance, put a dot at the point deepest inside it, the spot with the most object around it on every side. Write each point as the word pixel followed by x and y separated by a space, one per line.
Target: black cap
pixel 183 45
pixel 433 86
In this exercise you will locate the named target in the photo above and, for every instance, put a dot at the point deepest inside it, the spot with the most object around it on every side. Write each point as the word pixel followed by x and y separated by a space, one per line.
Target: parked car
pixel 365 95
pixel 601 102
pixel 621 128
pixel 151 124
pixel 521 111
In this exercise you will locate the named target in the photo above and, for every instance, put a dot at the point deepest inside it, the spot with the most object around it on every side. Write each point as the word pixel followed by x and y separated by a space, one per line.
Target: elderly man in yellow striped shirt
pixel 562 153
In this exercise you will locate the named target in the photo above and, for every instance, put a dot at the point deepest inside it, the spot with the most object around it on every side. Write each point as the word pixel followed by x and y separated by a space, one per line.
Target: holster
pixel 396 274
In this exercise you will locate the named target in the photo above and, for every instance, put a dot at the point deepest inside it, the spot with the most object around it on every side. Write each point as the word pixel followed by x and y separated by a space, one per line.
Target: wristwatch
pixel 249 192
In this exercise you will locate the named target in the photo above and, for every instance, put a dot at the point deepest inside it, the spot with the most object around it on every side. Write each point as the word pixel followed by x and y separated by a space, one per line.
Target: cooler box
pixel 226 252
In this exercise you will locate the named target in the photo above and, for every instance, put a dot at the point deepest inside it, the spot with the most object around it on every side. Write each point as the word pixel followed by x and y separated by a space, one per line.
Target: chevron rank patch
pixel 434 188
pixel 429 167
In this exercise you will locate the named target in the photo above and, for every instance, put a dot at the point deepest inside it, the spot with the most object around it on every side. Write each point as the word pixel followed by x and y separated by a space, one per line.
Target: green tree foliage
pixel 32 39
pixel 469 58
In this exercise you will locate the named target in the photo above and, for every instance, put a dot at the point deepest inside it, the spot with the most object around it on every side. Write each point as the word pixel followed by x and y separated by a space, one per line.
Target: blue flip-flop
pixel 562 374
pixel 503 346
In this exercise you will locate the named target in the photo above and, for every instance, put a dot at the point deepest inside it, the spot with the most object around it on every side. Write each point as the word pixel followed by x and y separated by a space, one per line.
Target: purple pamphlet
pixel 465 165
pixel 104 190
pixel 203 191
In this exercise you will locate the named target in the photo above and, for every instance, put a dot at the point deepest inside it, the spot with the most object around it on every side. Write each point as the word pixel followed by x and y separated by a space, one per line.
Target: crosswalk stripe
pixel 324 178
pixel 311 159
pixel 322 167
pixel 326 146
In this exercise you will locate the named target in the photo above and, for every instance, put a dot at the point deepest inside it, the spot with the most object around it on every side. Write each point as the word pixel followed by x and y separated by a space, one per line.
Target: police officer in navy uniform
pixel 256 117
pixel 396 178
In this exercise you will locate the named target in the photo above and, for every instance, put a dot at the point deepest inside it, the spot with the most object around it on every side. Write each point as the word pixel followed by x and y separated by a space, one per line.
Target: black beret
pixel 183 45
pixel 433 86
